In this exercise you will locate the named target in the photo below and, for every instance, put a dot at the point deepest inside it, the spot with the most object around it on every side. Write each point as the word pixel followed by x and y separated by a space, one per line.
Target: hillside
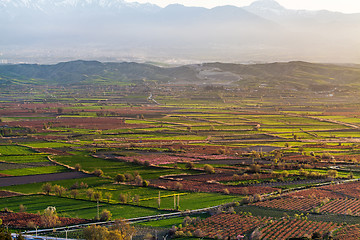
pixel 298 75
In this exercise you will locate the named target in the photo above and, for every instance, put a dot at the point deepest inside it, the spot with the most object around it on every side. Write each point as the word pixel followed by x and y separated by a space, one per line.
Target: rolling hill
pixel 298 75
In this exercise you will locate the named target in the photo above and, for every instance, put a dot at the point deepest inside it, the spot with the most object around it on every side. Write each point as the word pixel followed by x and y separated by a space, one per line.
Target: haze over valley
pixel 115 30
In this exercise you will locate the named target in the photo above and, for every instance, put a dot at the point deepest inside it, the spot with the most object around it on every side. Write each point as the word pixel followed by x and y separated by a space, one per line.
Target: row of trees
pixel 121 230
pixel 128 177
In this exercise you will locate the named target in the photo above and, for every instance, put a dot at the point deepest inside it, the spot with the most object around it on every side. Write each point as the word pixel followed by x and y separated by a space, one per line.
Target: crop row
pixel 291 203
pixel 317 193
pixel 291 228
pixel 230 226
pixel 342 206
pixel 227 225
pixel 351 232
pixel 348 189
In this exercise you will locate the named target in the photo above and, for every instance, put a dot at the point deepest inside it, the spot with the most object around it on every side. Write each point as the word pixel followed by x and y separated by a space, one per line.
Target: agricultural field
pixel 289 161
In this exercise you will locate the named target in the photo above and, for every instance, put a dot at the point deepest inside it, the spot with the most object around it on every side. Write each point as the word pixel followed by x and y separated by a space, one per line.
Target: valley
pixel 276 147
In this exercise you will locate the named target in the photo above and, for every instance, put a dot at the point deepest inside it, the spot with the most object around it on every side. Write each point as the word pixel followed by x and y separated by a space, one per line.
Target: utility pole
pixel 178 201
pixel 174 201
pixel 98 210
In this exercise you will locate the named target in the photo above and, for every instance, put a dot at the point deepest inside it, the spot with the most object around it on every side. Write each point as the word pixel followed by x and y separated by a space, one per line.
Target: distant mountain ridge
pixel 292 75
pixel 51 31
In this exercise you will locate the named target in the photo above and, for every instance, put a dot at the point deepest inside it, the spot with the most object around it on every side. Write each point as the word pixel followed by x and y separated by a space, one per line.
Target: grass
pixel 168 223
pixel 148 196
pixel 48 144
pixel 74 207
pixel 15 150
pixel 25 159
pixel 193 201
pixel 113 167
pixel 32 188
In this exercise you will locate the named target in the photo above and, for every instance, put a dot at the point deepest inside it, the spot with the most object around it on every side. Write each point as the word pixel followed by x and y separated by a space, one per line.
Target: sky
pixel 345 6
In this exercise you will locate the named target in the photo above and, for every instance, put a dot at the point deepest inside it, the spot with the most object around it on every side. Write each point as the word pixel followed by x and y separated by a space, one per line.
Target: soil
pixel 9 181
pixel 21 220
pixel 4 194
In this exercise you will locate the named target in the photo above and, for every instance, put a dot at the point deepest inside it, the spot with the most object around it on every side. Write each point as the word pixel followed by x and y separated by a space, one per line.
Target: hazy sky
pixel 346 6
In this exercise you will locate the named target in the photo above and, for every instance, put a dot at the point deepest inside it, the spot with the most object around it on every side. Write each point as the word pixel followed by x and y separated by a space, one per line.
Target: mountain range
pixel 114 30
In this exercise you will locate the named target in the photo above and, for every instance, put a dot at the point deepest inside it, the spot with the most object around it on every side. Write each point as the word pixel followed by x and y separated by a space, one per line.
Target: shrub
pixel 49 218
pixel 231 210
pixel 226 191
pixel 138 180
pixel 148 236
pixel 332 174
pixel 137 161
pixel 97 195
pixel 75 186
pixel 105 215
pixel 178 186
pixel 31 225
pixel 257 197
pixel 189 165
pixel 136 199
pixel 5 234
pixel 236 177
pixel 94 232
pixel 108 196
pixel 123 198
pixel 129 177
pixel 59 190
pixel 209 169
pixel 120 178
pixel 145 183
pixel 285 173
pixel 136 173
pixel 20 237
pixel 180 234
pixel 77 167
pixel 90 193
pixel 255 168
pixel 22 208
pixel 46 188
pixel 98 172
pixel 74 193
pixel 221 151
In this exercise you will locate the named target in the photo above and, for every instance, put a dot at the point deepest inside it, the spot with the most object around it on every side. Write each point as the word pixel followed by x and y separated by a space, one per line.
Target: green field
pixel 15 150
pixel 73 207
pixel 113 167
pixel 243 131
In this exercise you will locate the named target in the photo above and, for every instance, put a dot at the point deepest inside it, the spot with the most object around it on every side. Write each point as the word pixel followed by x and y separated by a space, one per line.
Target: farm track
pixel 19 180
